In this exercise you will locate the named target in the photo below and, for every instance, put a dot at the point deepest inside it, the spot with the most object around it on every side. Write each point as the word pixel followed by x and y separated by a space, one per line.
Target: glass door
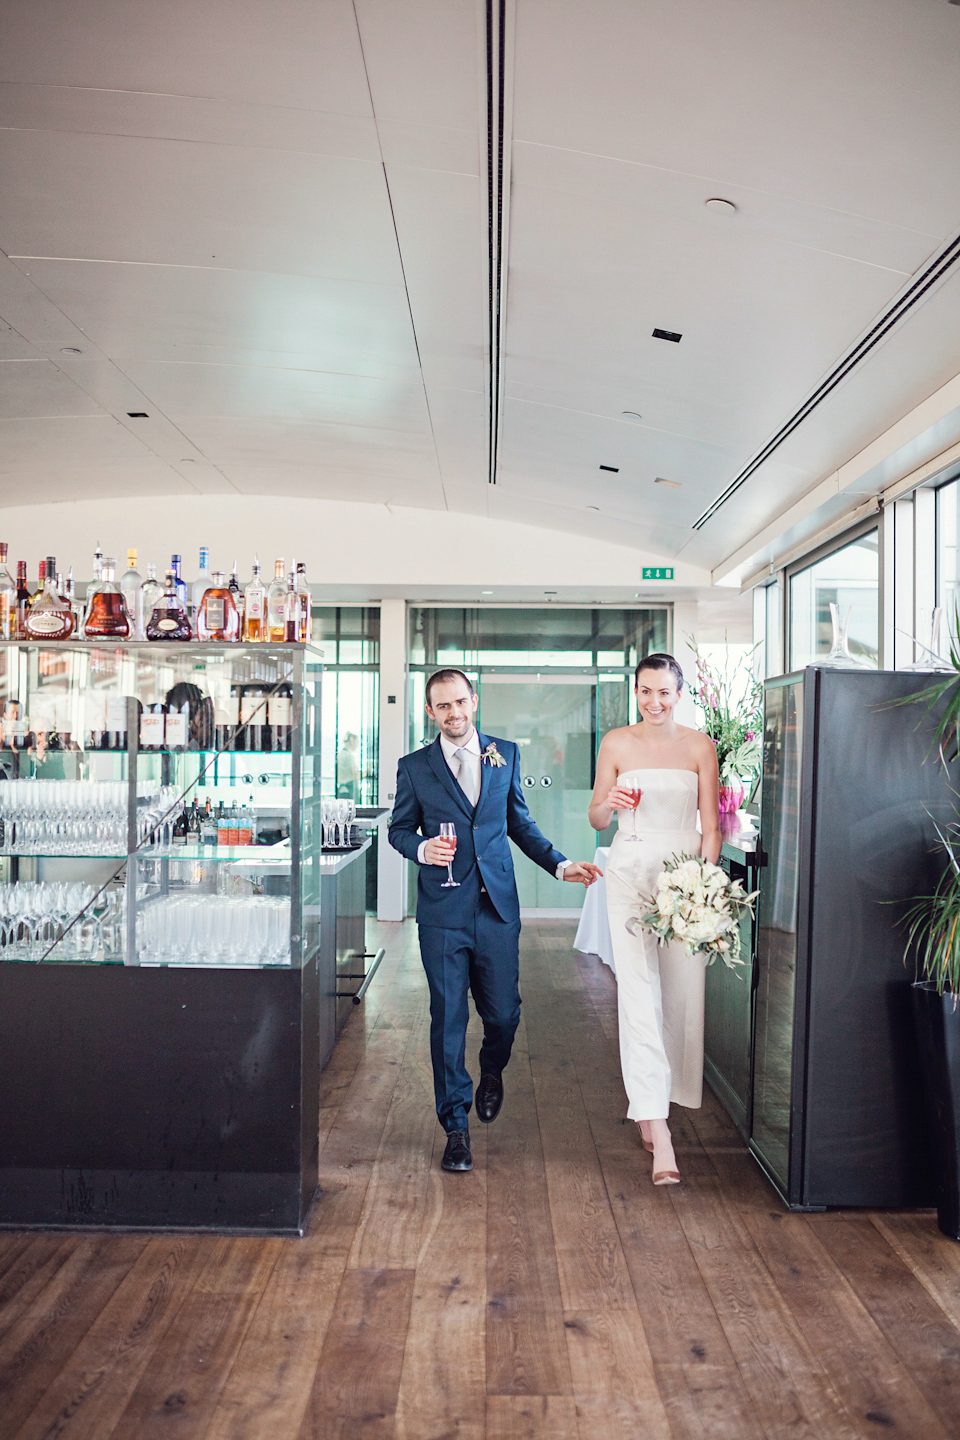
pixel 557 721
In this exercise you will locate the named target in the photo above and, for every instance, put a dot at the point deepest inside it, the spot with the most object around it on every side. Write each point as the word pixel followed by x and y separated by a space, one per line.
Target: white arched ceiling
pixel 266 227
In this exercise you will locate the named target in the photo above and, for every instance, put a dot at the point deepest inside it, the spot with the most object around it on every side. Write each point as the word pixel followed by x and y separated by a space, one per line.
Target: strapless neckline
pixel 658 770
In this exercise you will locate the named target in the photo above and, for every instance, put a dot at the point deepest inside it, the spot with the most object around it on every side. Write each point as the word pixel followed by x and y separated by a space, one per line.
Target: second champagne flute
pixel 448 831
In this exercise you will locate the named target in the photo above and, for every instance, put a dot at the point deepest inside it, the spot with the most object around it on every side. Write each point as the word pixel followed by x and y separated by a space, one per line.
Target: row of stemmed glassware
pixel 214 930
pixel 67 920
pixel 338 817
pixel 81 817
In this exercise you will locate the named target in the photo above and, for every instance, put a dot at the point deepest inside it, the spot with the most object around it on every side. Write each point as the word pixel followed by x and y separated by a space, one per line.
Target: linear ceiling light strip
pixel 495 100
pixel 905 302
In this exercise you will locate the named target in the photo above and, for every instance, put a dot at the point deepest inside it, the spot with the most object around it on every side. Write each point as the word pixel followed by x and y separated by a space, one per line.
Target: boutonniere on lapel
pixel 492 756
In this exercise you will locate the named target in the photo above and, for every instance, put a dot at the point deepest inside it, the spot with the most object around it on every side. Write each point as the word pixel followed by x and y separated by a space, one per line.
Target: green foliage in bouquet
pixel 730 702
pixel 696 903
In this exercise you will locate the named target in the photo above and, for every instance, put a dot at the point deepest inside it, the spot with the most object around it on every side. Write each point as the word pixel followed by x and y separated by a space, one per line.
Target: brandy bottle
pixel 169 620
pixel 218 617
pixel 50 616
pixel 107 617
pixel 255 607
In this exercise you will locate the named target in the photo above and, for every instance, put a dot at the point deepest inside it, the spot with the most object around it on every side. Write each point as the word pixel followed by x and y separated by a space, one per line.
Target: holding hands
pixel 583 872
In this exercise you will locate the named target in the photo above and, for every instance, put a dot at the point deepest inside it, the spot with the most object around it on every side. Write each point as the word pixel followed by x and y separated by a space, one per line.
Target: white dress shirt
pixel 471 756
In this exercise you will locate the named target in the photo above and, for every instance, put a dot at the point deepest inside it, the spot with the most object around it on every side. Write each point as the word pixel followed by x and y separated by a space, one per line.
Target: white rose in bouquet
pixel 696 903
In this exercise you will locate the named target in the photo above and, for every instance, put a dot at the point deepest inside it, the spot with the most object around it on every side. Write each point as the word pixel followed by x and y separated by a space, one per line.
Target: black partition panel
pixel 851 791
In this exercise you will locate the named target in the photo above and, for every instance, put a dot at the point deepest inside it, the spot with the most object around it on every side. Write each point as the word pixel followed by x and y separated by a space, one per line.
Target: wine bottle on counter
pixel 23 599
pixel 152 727
pixel 227 720
pixel 254 732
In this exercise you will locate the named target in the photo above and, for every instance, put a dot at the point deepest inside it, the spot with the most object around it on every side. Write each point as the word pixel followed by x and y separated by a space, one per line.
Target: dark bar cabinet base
pixel 151 1099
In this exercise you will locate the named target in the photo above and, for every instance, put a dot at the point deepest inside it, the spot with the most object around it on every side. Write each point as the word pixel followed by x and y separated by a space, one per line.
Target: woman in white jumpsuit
pixel 660 987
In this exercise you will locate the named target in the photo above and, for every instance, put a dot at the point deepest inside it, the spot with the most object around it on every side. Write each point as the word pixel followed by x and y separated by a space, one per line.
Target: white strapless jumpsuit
pixel 659 987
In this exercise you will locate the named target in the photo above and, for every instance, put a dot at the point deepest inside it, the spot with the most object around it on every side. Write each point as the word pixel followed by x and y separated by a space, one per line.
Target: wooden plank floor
pixel 552 1294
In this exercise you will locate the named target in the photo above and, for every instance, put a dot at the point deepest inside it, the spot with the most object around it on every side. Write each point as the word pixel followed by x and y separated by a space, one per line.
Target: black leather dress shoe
pixel 489 1098
pixel 457 1154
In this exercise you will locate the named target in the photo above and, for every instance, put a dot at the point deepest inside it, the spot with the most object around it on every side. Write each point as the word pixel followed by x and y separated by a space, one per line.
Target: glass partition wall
pixel 848 576
pixel 553 680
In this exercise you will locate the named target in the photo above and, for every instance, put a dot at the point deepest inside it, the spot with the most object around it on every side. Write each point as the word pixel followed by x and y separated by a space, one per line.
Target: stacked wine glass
pixel 40 919
pixel 338 818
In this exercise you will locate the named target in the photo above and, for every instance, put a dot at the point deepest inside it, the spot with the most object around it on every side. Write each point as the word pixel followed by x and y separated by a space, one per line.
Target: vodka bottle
pixel 150 592
pixel 203 581
pixel 276 600
pixel 23 599
pixel 131 586
pixel 181 584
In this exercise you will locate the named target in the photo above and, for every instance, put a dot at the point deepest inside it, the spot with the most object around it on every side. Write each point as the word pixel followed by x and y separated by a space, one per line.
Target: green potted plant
pixel 730 701
pixel 933 943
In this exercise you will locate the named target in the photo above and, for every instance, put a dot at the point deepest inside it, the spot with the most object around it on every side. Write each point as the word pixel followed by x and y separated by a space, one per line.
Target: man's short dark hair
pixel 443 677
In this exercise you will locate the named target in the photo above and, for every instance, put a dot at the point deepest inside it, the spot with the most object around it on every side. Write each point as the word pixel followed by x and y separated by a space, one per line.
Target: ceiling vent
pixel 912 295
pixel 673 335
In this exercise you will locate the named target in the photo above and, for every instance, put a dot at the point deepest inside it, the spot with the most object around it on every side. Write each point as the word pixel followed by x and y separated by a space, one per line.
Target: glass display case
pixel 163 1005
pixel 159 803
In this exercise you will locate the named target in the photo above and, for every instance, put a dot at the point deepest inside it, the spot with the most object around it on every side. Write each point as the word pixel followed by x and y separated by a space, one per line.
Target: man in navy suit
pixel 469 935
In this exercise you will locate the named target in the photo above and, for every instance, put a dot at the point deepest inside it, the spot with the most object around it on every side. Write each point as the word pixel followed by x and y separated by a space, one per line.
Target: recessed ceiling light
pixel 70 350
pixel 725 207
pixel 674 484
pixel 673 335
pixel 137 415
pixel 486 592
pixel 635 414
pixel 614 469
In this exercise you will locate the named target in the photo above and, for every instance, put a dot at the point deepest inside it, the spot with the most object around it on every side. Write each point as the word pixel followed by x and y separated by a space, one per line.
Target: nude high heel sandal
pixel 647 1144
pixel 666 1177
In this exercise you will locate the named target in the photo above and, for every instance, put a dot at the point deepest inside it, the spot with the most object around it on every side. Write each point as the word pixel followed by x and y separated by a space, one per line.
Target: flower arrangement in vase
pixel 730 701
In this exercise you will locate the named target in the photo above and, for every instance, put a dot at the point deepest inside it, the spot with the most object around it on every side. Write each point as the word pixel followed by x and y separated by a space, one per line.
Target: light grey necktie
pixel 467 775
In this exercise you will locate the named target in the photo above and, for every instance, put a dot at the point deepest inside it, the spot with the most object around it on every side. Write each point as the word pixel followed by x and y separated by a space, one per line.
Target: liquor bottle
pixel 169 620
pixel 107 614
pixel 276 600
pixel 97 563
pixel 254 607
pixel 194 826
pixel 41 582
pixel 244 827
pixel 291 611
pixel 226 720
pixel 131 587
pixel 237 593
pixel 181 828
pixel 23 599
pixel 254 732
pixel 208 825
pixel 280 716
pixel 152 727
pixel 49 617
pixel 223 825
pixel 181 584
pixel 70 595
pixel 150 592
pixel 306 604
pixel 202 583
pixel 8 599
pixel 116 722
pixel 177 728
pixel 218 617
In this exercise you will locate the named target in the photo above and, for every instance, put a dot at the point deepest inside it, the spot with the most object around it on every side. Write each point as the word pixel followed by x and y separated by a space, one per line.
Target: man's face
pixel 452 707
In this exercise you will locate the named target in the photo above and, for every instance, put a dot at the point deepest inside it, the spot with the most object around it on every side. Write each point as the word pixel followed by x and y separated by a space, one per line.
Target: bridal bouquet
pixel 698 904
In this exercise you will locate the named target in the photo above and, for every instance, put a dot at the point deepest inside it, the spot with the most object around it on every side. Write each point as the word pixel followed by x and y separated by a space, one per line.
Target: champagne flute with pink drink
pixel 633 790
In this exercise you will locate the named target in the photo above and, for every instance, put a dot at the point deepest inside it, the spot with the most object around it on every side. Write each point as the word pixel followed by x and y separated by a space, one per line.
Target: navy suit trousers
pixel 484 957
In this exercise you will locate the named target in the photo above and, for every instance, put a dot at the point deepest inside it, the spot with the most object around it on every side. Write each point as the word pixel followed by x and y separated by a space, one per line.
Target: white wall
pixel 342 542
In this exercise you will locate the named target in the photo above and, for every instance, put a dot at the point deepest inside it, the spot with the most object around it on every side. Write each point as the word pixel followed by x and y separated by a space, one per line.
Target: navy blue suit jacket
pixel 428 794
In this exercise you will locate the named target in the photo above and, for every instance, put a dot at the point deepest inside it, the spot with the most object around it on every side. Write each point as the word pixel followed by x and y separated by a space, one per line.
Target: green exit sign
pixel 658 572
